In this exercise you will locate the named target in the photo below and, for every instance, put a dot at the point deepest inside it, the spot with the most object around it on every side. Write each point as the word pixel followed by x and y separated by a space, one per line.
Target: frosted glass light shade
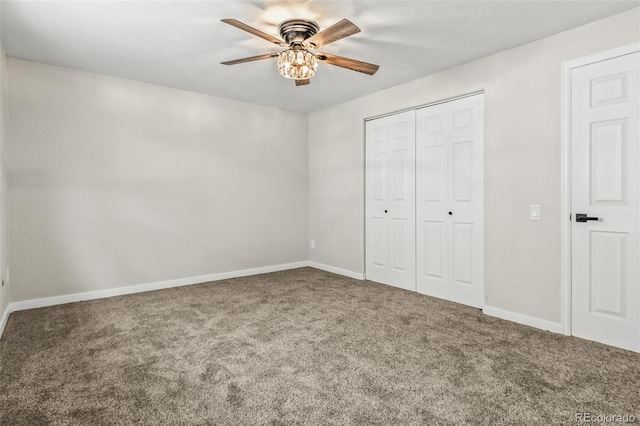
pixel 297 64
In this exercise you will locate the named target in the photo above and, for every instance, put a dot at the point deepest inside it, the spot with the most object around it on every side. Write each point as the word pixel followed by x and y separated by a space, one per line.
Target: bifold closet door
pixel 449 200
pixel 390 200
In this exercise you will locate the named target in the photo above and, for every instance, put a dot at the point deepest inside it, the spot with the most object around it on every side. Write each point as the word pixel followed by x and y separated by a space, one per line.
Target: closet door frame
pixel 414 108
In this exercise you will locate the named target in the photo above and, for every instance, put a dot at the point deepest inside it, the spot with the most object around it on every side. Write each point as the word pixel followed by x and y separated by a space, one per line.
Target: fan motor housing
pixel 297 30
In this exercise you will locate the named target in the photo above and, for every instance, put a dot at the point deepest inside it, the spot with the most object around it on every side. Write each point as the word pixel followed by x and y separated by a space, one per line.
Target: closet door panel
pixel 449 170
pixel 433 259
pixel 432 180
pixel 390 200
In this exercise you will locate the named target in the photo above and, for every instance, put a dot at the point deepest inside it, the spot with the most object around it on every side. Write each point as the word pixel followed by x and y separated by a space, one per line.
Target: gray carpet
pixel 299 347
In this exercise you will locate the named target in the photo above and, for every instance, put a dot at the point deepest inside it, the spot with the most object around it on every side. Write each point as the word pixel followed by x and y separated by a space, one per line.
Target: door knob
pixel 450 213
pixel 385 211
pixel 581 217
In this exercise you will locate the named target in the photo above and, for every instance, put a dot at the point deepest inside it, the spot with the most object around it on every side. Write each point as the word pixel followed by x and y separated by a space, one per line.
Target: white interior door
pixel 450 212
pixel 390 200
pixel 606 185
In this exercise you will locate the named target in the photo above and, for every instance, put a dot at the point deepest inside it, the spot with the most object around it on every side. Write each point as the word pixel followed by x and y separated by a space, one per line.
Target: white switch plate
pixel 534 212
pixel 313 244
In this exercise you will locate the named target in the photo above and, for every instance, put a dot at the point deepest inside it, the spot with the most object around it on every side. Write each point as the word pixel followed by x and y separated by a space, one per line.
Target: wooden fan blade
pixel 254 31
pixel 249 59
pixel 302 82
pixel 351 64
pixel 337 31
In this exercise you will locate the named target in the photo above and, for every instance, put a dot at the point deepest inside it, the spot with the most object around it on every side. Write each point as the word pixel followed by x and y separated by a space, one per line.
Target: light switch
pixel 313 244
pixel 534 212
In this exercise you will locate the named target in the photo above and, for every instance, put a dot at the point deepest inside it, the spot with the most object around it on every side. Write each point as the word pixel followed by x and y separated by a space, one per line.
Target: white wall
pixel 522 162
pixel 116 182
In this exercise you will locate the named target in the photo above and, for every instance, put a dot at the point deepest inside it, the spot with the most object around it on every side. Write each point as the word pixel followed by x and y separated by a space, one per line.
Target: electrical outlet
pixel 313 244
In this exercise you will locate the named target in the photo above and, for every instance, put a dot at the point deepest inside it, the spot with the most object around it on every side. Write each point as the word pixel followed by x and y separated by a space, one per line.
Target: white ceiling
pixel 181 43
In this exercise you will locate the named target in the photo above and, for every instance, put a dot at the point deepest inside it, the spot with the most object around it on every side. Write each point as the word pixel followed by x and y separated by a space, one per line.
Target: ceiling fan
pixel 301 39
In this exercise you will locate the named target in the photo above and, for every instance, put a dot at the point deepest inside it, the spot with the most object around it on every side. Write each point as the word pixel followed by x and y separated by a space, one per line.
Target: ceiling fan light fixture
pixel 301 37
pixel 297 64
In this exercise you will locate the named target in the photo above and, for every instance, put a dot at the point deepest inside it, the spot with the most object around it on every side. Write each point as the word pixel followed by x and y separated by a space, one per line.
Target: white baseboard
pixel 119 291
pixel 5 318
pixel 554 327
pixel 339 271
